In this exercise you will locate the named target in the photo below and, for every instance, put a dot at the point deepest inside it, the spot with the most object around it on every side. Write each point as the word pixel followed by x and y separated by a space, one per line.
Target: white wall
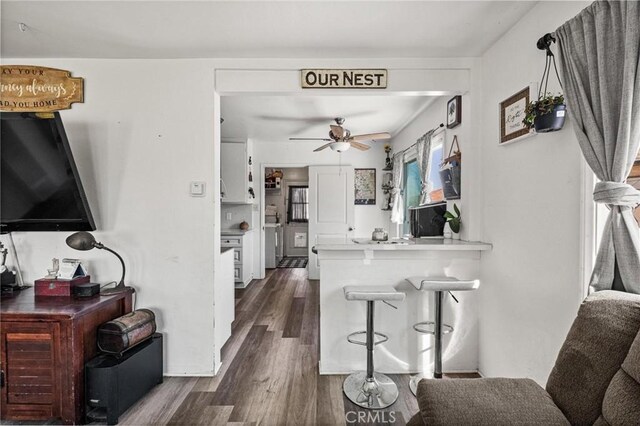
pixel 300 153
pixel 531 284
pixel 143 133
pixel 239 213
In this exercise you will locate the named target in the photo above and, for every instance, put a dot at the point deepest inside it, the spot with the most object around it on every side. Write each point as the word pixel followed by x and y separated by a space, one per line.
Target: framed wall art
pixel 365 186
pixel 511 112
pixel 454 112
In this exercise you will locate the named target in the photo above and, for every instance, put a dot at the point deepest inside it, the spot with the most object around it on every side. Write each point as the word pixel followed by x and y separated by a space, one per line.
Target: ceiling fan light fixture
pixel 340 146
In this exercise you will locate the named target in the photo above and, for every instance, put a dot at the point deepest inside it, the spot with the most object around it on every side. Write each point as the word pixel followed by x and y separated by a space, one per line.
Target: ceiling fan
pixel 340 139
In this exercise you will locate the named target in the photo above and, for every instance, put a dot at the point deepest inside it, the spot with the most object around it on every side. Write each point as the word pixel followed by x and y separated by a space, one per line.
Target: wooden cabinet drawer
pixel 231 241
pixel 237 273
pixel 237 256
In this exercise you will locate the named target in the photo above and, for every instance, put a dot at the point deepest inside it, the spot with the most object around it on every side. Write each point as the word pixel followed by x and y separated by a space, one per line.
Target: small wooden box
pixel 58 287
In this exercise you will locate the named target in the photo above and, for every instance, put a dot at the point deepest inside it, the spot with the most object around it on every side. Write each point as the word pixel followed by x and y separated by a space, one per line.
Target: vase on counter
pixel 456 235
pixel 379 234
pixel 448 234
pixel 244 225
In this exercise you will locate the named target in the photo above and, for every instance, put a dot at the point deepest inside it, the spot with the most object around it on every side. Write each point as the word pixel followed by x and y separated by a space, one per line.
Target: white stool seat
pixel 443 284
pixel 372 293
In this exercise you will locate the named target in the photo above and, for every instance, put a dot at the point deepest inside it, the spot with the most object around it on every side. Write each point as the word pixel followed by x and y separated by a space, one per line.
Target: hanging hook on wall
pixel 544 43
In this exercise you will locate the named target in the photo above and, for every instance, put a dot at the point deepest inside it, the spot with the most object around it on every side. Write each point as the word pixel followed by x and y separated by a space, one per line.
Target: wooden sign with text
pixel 27 88
pixel 344 79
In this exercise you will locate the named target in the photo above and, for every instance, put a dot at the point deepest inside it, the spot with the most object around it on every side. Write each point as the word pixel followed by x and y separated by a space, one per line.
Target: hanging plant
pixel 547 114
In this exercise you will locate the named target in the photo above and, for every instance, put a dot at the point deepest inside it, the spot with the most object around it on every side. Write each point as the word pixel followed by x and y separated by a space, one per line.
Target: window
pixel 413 181
pixel 298 204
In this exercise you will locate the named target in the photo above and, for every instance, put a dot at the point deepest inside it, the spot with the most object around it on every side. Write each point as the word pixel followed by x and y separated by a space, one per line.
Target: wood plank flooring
pixel 269 373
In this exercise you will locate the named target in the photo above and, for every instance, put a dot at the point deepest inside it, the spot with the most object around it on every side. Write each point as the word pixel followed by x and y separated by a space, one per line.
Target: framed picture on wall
pixel 365 186
pixel 512 113
pixel 454 112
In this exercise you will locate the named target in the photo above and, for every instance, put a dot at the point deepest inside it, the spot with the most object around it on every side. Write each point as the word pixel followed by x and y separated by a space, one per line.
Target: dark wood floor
pixel 270 369
pixel 269 373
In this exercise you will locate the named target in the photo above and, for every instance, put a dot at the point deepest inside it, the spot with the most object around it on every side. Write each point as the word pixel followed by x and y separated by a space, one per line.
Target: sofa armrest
pixel 494 401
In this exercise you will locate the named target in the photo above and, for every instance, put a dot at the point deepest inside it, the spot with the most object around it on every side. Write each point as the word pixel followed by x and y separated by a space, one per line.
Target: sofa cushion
pixel 621 405
pixel 494 401
pixel 596 346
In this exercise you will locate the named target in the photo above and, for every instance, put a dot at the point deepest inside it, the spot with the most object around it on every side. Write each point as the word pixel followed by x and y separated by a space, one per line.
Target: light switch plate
pixel 229 216
pixel 197 189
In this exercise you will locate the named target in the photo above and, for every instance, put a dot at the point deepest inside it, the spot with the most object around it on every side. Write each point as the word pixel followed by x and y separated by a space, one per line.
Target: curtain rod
pixel 440 126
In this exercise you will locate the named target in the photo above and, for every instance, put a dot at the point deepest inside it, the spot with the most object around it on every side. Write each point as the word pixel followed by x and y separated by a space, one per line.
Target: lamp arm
pixel 121 283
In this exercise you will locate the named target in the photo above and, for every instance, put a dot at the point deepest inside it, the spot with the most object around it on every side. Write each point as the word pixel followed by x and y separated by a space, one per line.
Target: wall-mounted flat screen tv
pixel 40 189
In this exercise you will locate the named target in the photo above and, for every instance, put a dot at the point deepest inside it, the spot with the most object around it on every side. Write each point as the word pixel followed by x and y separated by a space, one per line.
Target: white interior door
pixel 331 209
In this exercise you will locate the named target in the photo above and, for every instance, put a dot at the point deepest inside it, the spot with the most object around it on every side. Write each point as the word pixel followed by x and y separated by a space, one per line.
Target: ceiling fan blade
pixel 370 136
pixel 360 146
pixel 322 147
pixel 311 139
pixel 338 131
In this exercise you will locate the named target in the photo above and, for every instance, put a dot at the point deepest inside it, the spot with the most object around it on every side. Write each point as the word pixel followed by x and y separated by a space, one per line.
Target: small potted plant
pixel 388 164
pixel 454 220
pixel 546 114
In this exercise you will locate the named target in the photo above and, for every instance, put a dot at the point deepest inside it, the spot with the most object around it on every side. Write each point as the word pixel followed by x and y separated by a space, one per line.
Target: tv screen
pixel 40 189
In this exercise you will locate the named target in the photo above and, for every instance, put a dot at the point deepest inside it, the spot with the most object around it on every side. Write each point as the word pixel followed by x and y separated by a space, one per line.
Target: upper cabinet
pixel 236 171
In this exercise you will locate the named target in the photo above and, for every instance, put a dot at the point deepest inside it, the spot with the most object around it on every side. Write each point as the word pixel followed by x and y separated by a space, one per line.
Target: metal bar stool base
pixel 377 393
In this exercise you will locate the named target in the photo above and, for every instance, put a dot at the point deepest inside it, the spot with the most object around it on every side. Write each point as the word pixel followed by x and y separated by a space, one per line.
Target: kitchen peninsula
pixel 362 263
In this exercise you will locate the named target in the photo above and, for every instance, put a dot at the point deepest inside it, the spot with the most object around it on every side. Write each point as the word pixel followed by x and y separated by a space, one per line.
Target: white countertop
pixel 419 244
pixel 234 232
pixel 272 225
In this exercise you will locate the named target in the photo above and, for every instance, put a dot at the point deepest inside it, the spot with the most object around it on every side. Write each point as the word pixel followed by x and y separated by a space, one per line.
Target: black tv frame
pixel 38 225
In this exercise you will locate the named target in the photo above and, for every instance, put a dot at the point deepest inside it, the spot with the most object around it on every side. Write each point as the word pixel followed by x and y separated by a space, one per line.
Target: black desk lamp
pixel 85 241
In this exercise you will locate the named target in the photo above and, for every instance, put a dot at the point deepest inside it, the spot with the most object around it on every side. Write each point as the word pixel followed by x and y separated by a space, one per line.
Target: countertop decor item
pixel 388 164
pixel 244 225
pixel 85 241
pixel 379 234
pixel 454 220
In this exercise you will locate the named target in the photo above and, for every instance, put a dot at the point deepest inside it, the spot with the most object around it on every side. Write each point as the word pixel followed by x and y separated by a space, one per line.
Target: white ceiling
pixel 209 29
pixel 276 118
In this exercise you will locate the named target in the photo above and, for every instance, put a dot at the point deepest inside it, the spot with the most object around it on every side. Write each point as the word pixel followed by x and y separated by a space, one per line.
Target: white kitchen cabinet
pixel 224 299
pixel 242 244
pixel 234 172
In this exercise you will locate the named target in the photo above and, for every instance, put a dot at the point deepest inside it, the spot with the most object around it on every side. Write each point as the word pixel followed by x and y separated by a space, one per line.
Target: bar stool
pixel 439 285
pixel 369 389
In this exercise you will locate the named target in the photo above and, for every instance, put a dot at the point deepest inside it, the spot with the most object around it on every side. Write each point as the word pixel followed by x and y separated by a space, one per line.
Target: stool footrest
pixel 383 338
pixel 429 327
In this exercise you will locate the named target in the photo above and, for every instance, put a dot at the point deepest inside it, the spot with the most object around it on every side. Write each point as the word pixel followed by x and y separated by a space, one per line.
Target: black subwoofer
pixel 113 384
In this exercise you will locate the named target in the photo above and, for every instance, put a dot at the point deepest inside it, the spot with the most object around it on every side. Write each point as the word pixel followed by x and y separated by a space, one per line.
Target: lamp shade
pixel 81 241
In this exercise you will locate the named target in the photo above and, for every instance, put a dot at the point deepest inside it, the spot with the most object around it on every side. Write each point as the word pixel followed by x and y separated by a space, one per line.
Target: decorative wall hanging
pixel 365 186
pixel 451 171
pixel 454 112
pixel 512 113
pixel 343 79
pixel 27 88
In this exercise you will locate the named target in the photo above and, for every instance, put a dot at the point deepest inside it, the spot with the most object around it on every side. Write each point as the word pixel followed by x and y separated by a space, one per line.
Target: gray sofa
pixel 595 381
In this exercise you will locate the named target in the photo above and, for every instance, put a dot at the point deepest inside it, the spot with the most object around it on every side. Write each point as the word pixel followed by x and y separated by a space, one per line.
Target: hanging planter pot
pixel 551 121
pixel 547 114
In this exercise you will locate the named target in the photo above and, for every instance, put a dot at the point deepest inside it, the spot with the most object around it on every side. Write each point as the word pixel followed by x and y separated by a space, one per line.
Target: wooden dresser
pixel 45 344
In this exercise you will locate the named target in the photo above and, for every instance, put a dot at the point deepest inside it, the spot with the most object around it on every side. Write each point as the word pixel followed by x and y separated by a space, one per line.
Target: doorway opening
pixel 286 217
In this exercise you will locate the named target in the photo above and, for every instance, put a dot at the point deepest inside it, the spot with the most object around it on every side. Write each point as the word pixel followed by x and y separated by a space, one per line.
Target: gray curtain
pixel 599 57
pixel 423 146
pixel 397 205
